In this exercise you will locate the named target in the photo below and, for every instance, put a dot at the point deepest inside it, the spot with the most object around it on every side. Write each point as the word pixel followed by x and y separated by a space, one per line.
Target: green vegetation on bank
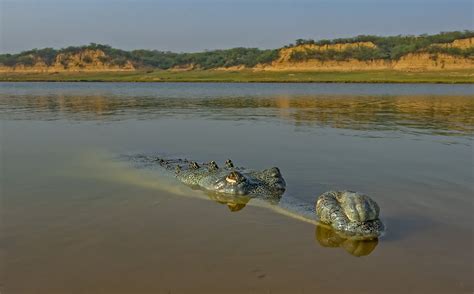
pixel 248 57
pixel 389 48
pixel 389 76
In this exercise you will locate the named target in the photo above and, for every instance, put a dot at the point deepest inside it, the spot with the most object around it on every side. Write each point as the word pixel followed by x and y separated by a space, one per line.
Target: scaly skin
pixel 350 213
pixel 230 180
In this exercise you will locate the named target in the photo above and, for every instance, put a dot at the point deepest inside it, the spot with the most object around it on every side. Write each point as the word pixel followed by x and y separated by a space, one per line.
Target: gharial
pixel 228 179
pixel 350 213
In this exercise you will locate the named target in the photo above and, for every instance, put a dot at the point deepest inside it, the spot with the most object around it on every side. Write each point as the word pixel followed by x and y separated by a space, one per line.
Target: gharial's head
pixel 233 183
pixel 273 179
pixel 266 181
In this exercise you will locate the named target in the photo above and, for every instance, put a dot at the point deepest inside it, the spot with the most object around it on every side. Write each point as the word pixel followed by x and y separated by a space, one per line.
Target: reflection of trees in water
pixel 327 237
pixel 436 114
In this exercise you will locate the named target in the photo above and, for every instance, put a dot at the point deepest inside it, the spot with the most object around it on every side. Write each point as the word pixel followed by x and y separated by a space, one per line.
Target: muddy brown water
pixel 76 220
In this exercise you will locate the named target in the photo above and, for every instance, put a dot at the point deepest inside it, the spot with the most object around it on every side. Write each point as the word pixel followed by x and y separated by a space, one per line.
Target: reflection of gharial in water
pixel 234 203
pixel 238 202
pixel 327 237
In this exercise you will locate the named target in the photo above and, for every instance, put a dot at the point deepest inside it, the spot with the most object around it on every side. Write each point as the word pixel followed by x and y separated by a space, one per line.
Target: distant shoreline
pixel 248 76
pixel 236 82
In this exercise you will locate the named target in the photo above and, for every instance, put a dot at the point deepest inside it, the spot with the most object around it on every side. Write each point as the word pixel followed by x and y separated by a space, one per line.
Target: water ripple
pixel 418 114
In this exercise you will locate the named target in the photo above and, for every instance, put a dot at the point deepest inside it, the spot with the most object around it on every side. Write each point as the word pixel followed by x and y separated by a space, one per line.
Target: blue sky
pixel 186 26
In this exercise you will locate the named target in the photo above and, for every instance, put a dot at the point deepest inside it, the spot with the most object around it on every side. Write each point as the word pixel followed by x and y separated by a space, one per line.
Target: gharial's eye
pixel 234 177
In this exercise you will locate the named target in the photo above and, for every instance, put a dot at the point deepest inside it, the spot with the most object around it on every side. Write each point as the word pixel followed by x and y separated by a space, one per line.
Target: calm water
pixel 72 212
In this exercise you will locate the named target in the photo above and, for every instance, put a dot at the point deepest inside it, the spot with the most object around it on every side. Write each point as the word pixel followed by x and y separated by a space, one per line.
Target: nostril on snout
pixel 275 172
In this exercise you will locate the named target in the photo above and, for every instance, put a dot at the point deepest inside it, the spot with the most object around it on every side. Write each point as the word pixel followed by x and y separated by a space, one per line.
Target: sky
pixel 189 26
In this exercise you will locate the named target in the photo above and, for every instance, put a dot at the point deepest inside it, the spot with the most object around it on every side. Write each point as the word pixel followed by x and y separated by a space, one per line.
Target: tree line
pixel 389 48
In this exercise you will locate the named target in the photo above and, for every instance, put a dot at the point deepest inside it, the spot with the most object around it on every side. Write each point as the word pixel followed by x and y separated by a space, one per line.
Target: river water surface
pixel 77 220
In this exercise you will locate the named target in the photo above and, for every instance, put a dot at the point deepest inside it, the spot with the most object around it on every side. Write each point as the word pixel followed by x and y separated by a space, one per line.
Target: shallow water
pixel 77 220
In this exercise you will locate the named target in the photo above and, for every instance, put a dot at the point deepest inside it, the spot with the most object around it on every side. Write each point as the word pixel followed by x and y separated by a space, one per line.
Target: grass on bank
pixel 386 76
